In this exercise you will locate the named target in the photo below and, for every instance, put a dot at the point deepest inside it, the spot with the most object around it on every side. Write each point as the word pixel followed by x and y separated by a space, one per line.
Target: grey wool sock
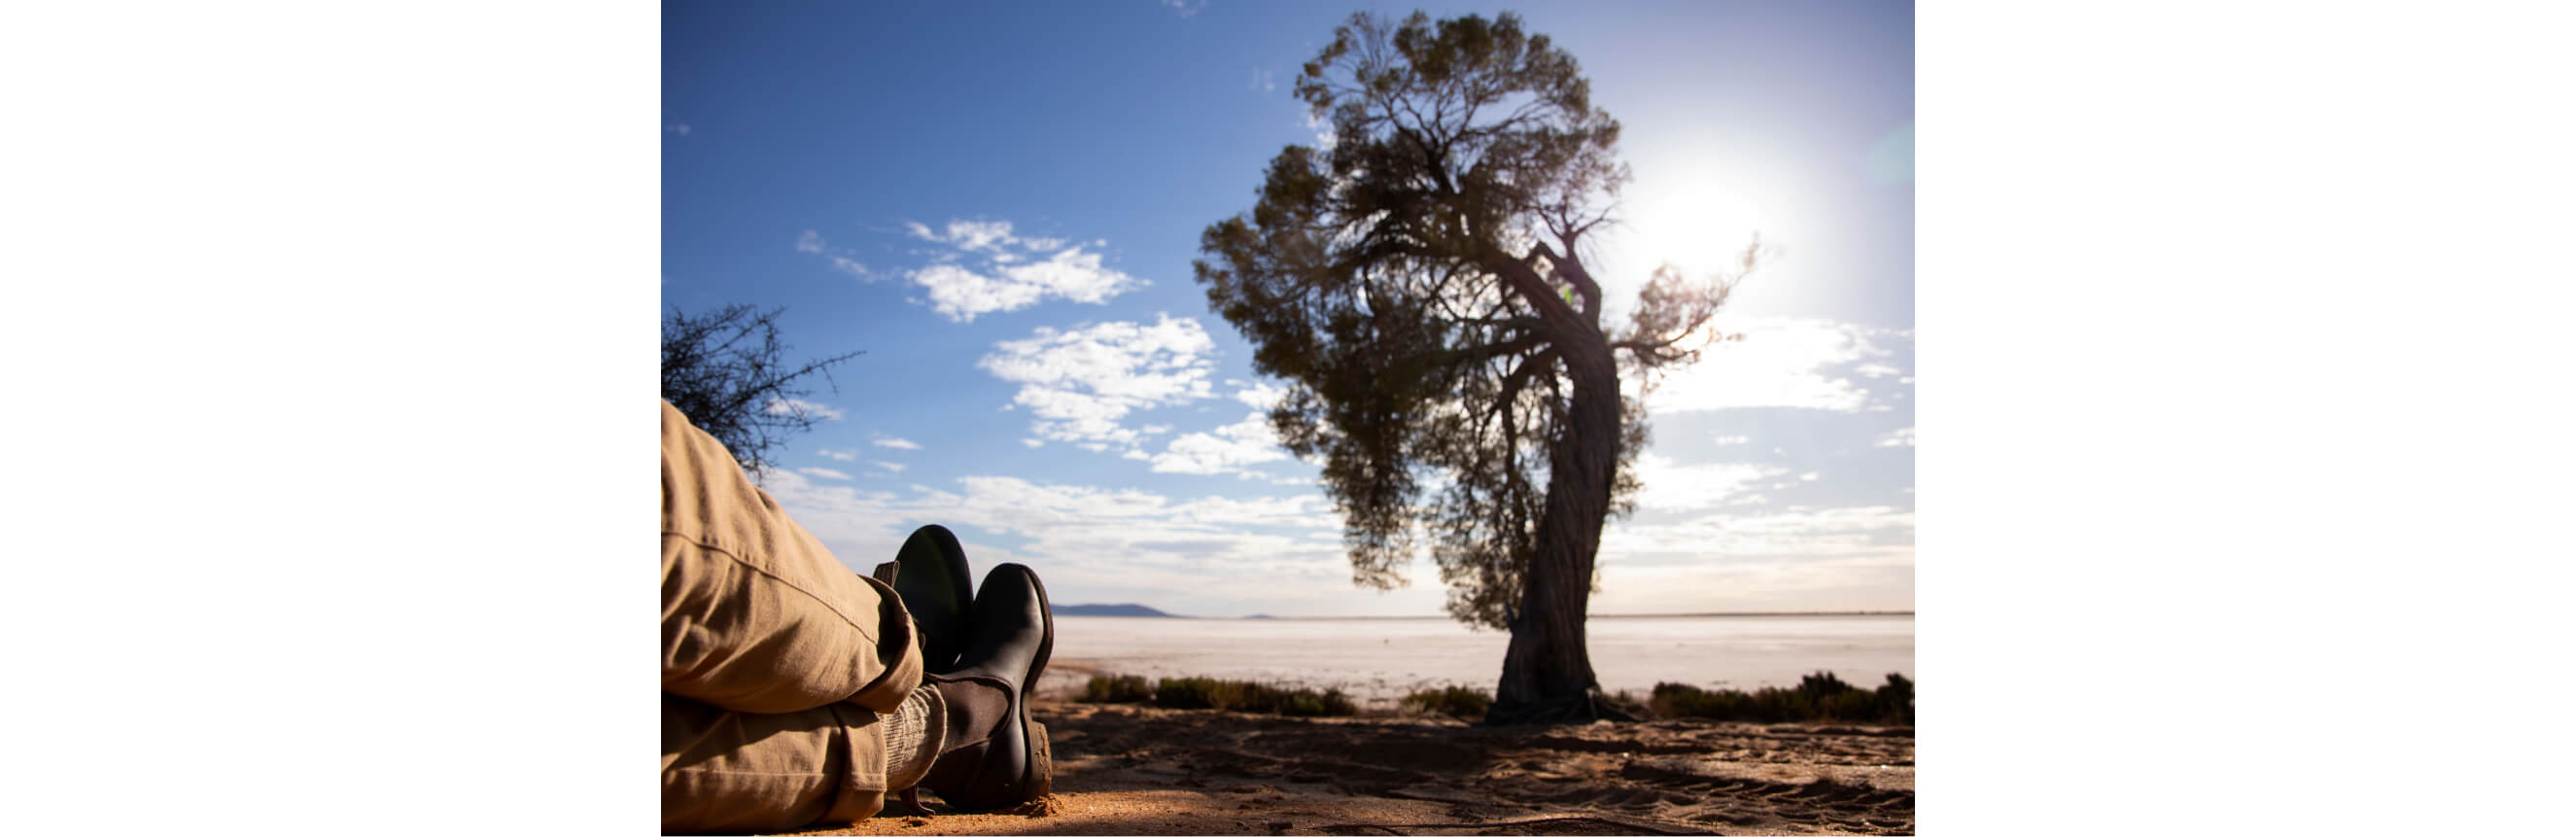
pixel 914 733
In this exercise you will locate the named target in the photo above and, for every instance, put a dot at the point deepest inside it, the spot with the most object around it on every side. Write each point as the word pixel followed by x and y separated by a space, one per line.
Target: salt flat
pixel 1379 660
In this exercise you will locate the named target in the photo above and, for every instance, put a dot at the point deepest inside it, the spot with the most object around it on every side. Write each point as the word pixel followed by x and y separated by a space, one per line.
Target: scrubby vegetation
pixel 1211 693
pixel 1456 701
pixel 1126 689
pixel 1817 697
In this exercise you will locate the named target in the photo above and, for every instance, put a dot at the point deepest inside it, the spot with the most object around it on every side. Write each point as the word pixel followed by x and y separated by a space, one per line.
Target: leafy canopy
pixel 1419 283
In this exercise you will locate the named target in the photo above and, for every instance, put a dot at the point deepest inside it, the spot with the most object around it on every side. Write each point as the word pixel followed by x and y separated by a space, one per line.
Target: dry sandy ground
pixel 1140 770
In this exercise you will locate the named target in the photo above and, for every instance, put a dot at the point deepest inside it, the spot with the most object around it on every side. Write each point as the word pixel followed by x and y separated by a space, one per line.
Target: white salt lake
pixel 1378 660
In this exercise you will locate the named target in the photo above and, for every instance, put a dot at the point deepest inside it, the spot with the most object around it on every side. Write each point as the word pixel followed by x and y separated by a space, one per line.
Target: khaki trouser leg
pixel 727 771
pixel 775 657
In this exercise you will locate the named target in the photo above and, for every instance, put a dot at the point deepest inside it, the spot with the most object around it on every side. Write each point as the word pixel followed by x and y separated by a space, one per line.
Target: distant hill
pixel 1108 610
pixel 1261 616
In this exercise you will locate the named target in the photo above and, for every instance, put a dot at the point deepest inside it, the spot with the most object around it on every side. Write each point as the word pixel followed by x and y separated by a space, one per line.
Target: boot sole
pixel 1041 778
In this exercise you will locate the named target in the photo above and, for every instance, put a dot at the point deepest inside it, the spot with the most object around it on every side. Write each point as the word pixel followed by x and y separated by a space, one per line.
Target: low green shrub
pixel 1198 693
pixel 1819 697
pixel 1126 689
pixel 1822 684
pixel 1455 701
pixel 1306 703
pixel 1211 693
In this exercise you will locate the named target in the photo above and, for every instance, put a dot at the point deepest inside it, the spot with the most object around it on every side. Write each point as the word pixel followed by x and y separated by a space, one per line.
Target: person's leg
pixel 964 734
pixel 771 649
pixel 777 661
pixel 756 615
pixel 726 771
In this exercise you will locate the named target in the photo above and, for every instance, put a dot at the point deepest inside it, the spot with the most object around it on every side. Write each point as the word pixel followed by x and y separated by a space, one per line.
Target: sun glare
pixel 1700 220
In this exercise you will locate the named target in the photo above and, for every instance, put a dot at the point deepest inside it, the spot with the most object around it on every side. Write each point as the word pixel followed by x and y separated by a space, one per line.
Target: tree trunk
pixel 1547 670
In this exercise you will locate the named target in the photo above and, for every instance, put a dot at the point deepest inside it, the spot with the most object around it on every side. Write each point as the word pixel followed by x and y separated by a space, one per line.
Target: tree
pixel 1420 284
pixel 725 372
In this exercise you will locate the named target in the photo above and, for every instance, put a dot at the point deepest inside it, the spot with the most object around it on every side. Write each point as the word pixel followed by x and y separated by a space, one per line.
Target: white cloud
pixel 855 269
pixel 1900 439
pixel 1259 396
pixel 1779 363
pixel 1083 537
pixel 1033 443
pixel 894 467
pixel 812 243
pixel 843 455
pixel 1007 282
pixel 1809 476
pixel 1671 486
pixel 1227 450
pixel 962 294
pixel 1731 440
pixel 1795 532
pixel 1186 8
pixel 790 406
pixel 1158 549
pixel 980 236
pixel 1074 275
pixel 1080 384
pixel 896 443
pixel 823 473
pixel 976 235
pixel 1858 582
pixel 1137 532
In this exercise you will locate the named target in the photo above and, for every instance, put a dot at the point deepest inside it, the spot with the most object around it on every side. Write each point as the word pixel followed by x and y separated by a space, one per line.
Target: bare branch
pixel 728 388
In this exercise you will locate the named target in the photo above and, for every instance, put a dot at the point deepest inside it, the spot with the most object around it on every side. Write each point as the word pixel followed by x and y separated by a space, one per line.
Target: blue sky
pixel 999 204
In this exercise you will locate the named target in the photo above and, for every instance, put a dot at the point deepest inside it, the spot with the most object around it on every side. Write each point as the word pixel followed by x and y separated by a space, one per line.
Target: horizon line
pixel 1169 615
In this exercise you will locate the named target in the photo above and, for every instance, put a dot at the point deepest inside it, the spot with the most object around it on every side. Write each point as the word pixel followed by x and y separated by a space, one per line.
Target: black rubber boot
pixel 995 757
pixel 935 587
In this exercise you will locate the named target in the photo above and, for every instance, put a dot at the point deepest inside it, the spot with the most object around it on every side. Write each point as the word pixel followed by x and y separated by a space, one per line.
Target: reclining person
pixel 797 693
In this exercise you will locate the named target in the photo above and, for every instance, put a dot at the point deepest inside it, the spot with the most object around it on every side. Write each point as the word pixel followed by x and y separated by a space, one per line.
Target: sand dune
pixel 1142 770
